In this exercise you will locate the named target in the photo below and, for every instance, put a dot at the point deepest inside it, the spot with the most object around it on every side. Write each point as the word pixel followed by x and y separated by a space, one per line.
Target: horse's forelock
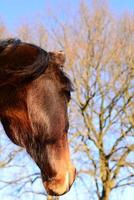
pixel 20 62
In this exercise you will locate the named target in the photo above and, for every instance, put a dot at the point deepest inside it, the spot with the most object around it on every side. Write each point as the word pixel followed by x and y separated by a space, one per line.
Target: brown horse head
pixel 34 93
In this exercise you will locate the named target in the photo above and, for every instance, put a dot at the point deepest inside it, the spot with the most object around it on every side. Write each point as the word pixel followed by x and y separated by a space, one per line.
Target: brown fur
pixel 34 93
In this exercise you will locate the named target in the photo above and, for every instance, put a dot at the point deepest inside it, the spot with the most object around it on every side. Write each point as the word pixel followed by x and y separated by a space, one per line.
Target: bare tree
pixel 35 33
pixel 101 61
pixel 3 30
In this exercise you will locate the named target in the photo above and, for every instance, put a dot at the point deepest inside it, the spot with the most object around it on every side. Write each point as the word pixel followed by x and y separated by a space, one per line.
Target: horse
pixel 34 96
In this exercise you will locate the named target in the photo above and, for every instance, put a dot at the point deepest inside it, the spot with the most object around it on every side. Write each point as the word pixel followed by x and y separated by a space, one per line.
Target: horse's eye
pixel 67 95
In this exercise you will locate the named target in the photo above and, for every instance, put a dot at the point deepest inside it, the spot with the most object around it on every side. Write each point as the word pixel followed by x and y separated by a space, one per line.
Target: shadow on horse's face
pixel 34 115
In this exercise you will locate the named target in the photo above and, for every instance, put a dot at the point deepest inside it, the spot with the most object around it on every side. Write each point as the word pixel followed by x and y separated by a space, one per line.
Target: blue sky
pixel 121 5
pixel 13 12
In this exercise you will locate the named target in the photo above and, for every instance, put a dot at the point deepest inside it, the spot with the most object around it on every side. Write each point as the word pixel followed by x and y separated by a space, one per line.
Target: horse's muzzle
pixel 60 185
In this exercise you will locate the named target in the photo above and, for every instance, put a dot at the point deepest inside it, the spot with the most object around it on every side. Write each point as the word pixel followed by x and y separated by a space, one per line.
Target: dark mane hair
pixel 13 70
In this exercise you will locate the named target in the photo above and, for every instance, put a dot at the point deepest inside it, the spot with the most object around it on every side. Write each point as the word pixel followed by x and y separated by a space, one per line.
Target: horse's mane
pixel 20 62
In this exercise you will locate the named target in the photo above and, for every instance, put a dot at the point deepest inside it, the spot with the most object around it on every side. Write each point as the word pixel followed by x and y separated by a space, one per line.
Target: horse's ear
pixel 57 58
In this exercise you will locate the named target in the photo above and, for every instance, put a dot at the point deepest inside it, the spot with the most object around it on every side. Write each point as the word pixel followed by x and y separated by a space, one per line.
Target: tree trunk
pixel 105 193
